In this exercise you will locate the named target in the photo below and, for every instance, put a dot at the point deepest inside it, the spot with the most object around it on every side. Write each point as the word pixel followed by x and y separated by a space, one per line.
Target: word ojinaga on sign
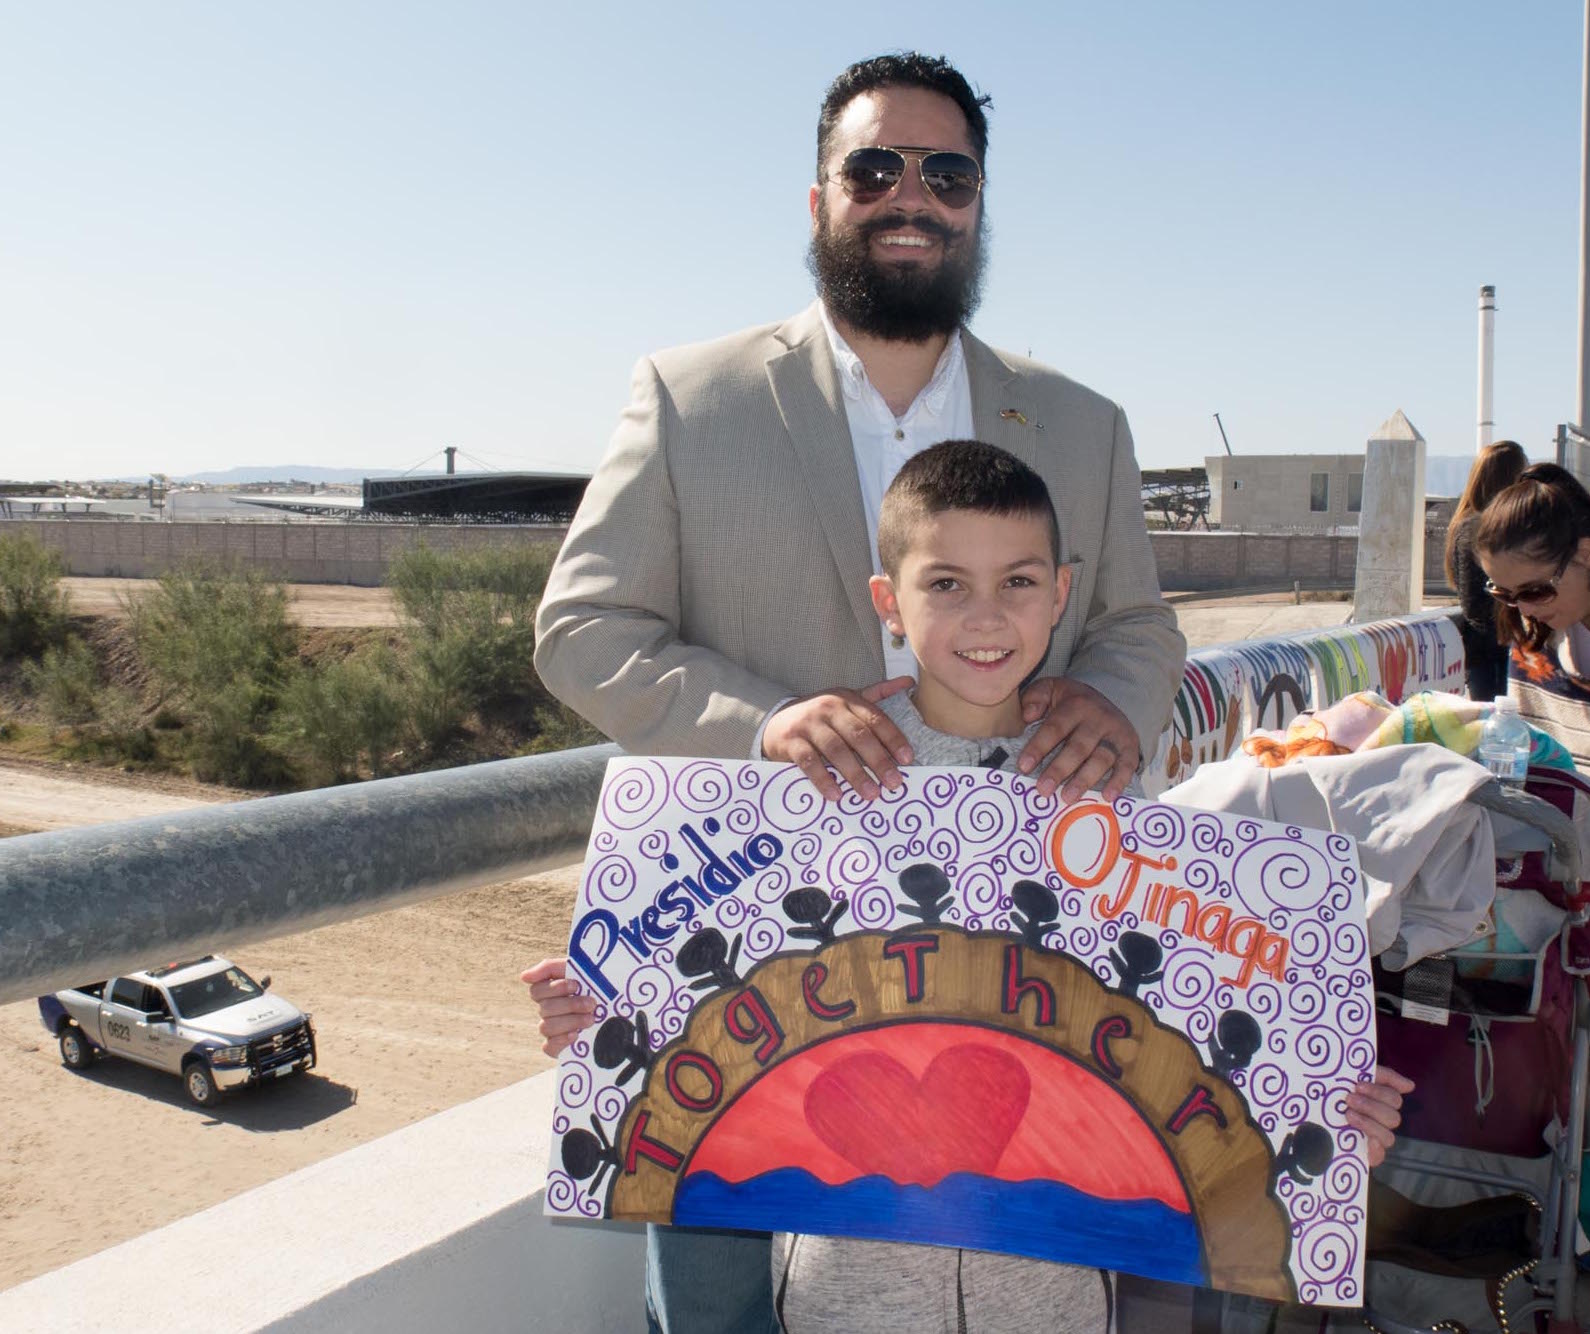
pixel 1109 1034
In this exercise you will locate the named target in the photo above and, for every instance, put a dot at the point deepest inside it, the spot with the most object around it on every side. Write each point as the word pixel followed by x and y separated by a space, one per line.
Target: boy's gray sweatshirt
pixel 835 1284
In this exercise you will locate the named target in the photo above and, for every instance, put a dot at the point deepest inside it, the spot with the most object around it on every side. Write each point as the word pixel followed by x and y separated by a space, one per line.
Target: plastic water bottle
pixel 1504 744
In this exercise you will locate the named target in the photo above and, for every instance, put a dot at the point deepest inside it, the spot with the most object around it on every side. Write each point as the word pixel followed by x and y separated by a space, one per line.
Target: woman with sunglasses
pixel 1484 655
pixel 1533 541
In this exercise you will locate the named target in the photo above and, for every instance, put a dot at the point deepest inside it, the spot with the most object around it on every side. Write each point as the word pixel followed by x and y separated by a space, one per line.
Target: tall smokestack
pixel 1486 427
pixel 450 451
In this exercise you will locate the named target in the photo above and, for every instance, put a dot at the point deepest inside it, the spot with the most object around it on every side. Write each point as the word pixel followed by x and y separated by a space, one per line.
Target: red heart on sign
pixel 872 1112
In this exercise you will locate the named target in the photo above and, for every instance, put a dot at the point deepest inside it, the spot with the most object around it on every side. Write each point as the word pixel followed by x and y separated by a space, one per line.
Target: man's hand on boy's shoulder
pixel 1097 744
pixel 843 729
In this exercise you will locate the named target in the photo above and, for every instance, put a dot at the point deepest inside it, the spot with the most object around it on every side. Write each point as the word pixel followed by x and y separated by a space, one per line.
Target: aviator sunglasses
pixel 870 174
pixel 1544 591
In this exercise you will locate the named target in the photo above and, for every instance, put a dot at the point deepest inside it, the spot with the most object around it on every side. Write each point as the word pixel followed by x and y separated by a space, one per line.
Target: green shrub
pixel 66 680
pixel 346 711
pixel 32 605
pixel 217 640
pixel 471 616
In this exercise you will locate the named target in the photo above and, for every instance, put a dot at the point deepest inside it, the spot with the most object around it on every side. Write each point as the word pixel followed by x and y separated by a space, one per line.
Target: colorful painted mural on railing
pixel 1233 689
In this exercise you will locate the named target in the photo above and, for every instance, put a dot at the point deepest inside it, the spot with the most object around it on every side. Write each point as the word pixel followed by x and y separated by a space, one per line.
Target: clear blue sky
pixel 352 233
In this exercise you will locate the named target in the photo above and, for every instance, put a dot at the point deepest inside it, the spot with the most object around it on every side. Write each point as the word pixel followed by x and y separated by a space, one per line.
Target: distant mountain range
pixel 284 472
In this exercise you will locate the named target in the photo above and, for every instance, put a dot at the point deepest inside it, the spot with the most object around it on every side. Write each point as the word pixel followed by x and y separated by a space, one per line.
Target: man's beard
pixel 904 303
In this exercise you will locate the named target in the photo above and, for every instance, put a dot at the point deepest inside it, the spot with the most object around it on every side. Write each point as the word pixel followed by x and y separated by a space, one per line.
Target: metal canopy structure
pixel 1177 497
pixel 495 497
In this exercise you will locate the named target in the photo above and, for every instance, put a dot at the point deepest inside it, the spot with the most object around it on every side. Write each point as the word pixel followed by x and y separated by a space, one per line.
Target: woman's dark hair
pixel 905 69
pixel 1497 468
pixel 1541 517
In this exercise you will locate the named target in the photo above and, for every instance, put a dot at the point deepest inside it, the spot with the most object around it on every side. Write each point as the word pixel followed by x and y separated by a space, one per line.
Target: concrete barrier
pixel 359 553
pixel 435 1227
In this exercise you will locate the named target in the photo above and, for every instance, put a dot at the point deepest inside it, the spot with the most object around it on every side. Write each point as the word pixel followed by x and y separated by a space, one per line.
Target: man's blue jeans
pixel 707 1281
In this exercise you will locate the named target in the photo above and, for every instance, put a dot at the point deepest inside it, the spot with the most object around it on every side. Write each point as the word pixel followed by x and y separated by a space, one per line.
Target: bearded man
pixel 711 597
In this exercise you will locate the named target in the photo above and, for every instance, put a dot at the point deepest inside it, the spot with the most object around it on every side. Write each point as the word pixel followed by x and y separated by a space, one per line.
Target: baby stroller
pixel 1484 1180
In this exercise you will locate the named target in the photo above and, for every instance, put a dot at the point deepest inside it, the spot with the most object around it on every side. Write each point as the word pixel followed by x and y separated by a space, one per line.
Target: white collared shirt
pixel 883 442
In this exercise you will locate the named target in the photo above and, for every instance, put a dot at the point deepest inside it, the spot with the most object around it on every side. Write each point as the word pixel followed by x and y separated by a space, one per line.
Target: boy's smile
pixel 977 596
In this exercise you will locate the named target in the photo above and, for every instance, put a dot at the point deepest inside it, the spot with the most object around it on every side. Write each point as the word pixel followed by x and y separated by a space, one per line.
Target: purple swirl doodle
pixel 1158 826
pixel 1349 944
pixel 911 818
pixel 1319 1048
pixel 985 815
pixel 1026 857
pixel 1360 1058
pixel 1200 1026
pixel 1071 901
pixel 1301 1204
pixel 1280 872
pixel 1328 1254
pixel 1168 939
pixel 1264 1001
pixel 1189 980
pixel 647 988
pixel 874 823
pixel 1293 1109
pixel 748 777
pixel 833 825
pixel 610 1104
pixel 1110 931
pixel 764 936
pixel 731 913
pixel 1224 996
pixel 1345 1177
pixel 944 847
pixel 1268 1123
pixel 1267 1084
pixel 1200 875
pixel 611 880
pixel 806 849
pixel 772 885
pixel 1310 942
pixel 604 840
pixel 940 788
pixel 1082 943
pixel 853 862
pixel 872 908
pixel 1246 831
pixel 566 1196
pixel 702 787
pixel 789 802
pixel 980 889
pixel 574 1084
pixel 635 793
pixel 1339 846
pixel 741 819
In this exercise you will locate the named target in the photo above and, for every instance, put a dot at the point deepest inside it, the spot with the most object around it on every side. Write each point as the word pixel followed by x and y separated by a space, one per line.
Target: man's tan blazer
pixel 720 558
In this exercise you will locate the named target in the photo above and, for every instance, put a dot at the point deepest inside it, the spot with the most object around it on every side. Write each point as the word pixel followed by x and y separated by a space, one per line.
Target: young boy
pixel 972 581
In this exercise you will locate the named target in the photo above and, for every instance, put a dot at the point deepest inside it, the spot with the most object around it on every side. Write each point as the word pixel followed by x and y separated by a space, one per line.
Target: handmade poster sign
pixel 1114 1035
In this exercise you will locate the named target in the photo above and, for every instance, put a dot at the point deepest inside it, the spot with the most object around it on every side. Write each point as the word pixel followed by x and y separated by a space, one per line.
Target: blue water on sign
pixel 1042 1219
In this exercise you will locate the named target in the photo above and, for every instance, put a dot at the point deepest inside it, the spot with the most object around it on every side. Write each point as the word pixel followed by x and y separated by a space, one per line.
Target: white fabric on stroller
pixel 1428 856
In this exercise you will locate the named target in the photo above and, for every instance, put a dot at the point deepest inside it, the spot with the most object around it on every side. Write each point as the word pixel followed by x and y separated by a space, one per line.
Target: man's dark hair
pixel 960 475
pixel 906 69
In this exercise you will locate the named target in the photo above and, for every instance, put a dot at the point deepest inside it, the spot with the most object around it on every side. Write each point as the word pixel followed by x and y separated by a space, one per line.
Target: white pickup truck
pixel 207 1021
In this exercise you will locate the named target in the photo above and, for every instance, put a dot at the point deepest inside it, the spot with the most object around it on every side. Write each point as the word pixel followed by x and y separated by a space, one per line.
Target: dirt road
pixel 416 1010
pixel 342 605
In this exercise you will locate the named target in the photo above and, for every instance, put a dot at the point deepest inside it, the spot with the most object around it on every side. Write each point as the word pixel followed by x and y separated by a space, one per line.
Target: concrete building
pixel 1266 493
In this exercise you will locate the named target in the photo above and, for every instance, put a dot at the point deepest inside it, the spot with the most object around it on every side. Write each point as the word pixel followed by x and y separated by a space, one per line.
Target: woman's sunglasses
pixel 870 174
pixel 1538 593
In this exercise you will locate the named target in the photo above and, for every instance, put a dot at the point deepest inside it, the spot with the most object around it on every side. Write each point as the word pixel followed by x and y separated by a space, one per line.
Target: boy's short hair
pixel 959 475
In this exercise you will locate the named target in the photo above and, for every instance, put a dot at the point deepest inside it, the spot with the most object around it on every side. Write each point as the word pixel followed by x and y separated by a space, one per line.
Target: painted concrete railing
pixel 1233 689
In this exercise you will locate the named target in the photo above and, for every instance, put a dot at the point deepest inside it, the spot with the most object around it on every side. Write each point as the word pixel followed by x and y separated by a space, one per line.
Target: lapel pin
pixel 1011 415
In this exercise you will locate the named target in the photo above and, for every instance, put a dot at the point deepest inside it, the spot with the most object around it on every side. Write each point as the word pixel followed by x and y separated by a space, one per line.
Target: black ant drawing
pixel 1137 958
pixel 815 911
pixel 928 888
pixel 1305 1153
pixel 1036 909
pixel 585 1153
pixel 706 956
pixel 618 1041
pixel 1236 1038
